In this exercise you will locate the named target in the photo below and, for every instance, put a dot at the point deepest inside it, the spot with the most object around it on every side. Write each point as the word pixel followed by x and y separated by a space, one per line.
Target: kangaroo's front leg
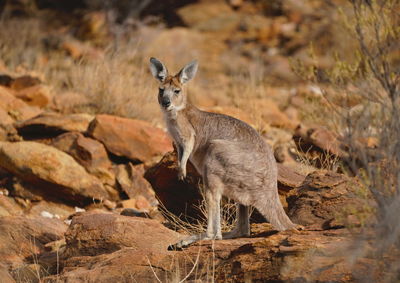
pixel 184 152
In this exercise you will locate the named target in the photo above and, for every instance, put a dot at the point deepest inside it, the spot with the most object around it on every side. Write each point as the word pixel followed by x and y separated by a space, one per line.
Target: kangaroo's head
pixel 172 94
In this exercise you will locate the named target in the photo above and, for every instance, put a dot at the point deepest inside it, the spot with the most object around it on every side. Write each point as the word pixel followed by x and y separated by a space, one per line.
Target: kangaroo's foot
pixel 190 240
pixel 236 233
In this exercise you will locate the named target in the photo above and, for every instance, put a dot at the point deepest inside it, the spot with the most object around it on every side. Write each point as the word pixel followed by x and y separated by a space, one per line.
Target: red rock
pixel 50 124
pixel 16 108
pixel 98 233
pixel 320 138
pixel 178 197
pixel 57 210
pixel 5 118
pixel 89 153
pixel 130 179
pixel 38 95
pixel 51 172
pixel 21 238
pixel 288 256
pixel 9 207
pixel 24 82
pixel 269 112
pixel 288 178
pixel 326 198
pixel 134 139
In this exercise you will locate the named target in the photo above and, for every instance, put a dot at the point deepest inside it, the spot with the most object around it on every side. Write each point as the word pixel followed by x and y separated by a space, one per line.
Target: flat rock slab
pixel 51 172
pixel 288 178
pixel 97 233
pixel 50 124
pixel 134 139
pixel 266 256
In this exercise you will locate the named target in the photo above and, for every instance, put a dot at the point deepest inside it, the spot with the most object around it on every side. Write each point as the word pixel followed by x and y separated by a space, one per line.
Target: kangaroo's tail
pixel 271 208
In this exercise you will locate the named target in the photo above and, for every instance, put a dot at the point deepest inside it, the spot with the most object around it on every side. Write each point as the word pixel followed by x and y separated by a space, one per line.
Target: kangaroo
pixel 230 155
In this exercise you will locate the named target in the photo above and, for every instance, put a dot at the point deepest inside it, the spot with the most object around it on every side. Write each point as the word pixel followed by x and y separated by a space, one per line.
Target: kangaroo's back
pixel 209 126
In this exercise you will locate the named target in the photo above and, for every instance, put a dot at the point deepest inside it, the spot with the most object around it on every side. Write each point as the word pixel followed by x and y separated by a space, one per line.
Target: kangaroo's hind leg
pixel 213 193
pixel 242 225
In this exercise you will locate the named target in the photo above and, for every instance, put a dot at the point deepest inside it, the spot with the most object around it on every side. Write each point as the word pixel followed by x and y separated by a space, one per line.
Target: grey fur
pixel 232 159
pixel 158 70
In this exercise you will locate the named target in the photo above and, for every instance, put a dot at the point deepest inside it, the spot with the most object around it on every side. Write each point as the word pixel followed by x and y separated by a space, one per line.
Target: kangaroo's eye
pixel 177 91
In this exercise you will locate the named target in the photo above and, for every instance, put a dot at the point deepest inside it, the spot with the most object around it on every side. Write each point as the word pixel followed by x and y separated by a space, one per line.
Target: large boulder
pixel 178 197
pixel 329 200
pixel 38 95
pixel 133 139
pixel 52 173
pixel 52 124
pixel 22 239
pixel 89 153
pixel 307 256
pixel 97 233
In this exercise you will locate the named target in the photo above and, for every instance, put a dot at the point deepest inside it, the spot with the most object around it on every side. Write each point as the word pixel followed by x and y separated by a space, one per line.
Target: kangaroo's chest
pixel 180 131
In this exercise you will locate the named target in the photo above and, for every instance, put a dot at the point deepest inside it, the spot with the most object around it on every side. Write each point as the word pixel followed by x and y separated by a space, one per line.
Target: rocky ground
pixel 88 195
pixel 80 199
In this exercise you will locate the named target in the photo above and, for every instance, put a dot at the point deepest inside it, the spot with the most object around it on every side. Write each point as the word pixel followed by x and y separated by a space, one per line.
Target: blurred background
pixel 94 54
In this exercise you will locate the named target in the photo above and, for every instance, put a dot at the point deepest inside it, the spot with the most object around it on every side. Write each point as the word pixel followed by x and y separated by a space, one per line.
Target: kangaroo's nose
pixel 165 102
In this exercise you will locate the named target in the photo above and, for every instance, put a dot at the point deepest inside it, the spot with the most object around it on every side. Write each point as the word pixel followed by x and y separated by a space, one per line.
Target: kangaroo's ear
pixel 188 72
pixel 158 69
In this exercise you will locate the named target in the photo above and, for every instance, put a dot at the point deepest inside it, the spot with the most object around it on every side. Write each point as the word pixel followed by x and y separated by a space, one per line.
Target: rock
pixel 52 173
pixel 57 210
pixel 131 180
pixel 98 233
pixel 139 203
pixel 9 133
pixel 5 118
pixel 325 198
pixel 21 239
pixel 24 82
pixel 37 95
pixel 178 197
pixel 89 153
pixel 309 256
pixel 3 134
pixel 72 102
pixel 269 112
pixel 133 139
pixel 23 190
pixel 288 178
pixel 52 124
pixel 319 139
pixel 15 107
pixel 9 207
